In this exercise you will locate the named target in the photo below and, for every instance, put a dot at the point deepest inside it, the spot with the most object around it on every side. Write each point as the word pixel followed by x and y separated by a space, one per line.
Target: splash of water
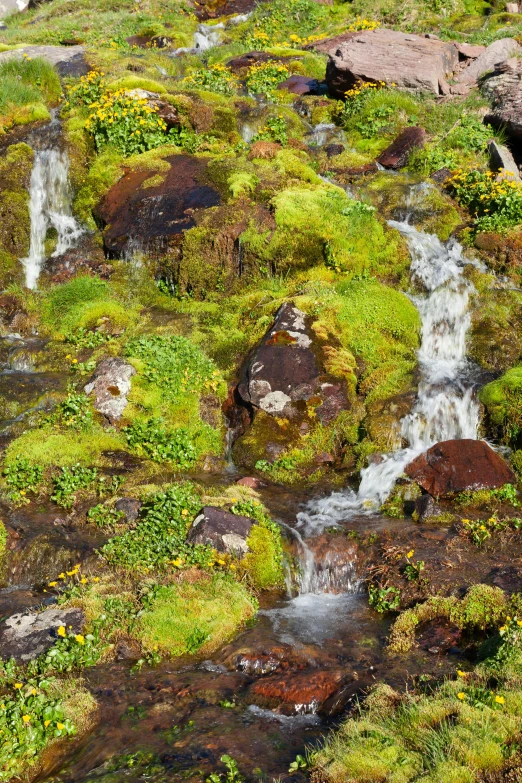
pixel 49 207
pixel 446 408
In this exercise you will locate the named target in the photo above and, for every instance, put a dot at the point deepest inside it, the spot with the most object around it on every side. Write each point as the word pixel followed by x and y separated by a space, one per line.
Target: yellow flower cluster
pixel 363 88
pixel 362 24
pixel 494 200
pixel 295 40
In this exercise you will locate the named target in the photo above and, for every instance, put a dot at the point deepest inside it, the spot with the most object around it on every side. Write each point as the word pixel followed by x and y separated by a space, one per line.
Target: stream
pixel 175 721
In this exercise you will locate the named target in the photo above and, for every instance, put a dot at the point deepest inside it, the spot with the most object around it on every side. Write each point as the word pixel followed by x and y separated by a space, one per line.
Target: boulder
pixel 512 8
pixel 129 507
pixel 300 85
pixel 68 60
pixel 27 635
pixel 469 51
pixel 425 507
pixel 397 154
pixel 111 385
pixel 496 53
pixel 501 159
pixel 284 372
pixel 502 88
pixel 153 219
pixel 307 692
pixel 221 530
pixel 409 61
pixel 459 465
pixel 332 150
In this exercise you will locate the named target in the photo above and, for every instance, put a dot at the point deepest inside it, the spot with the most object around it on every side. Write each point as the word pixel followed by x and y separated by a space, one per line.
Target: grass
pixel 198 616
pixel 503 401
pixel 27 87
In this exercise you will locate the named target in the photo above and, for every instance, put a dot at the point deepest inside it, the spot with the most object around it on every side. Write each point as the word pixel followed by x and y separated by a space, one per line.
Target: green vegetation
pixel 495 204
pixel 195 617
pixel 503 401
pixel 27 86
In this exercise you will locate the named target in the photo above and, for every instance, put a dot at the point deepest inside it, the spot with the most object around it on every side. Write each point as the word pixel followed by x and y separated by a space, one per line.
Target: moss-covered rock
pixel 503 402
pixel 15 223
pixel 496 332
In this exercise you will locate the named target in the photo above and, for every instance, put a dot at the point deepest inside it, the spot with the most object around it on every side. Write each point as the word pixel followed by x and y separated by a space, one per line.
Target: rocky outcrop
pixel 68 60
pixel 152 219
pixel 311 692
pixel 397 154
pixel 496 53
pixel 502 88
pixel 221 530
pixel 111 385
pixel 458 465
pixel 409 61
pixel 502 160
pixel 25 636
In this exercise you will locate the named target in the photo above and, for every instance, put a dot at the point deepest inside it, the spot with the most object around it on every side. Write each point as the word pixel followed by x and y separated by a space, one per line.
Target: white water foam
pixel 446 407
pixel 49 206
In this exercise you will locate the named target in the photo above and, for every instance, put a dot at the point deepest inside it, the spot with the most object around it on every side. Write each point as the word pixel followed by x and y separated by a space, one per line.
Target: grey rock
pixel 502 88
pixel 495 53
pixel 410 61
pixel 426 507
pixel 221 530
pixel 501 158
pixel 56 55
pixel 8 7
pixel 27 635
pixel 130 507
pixel 111 385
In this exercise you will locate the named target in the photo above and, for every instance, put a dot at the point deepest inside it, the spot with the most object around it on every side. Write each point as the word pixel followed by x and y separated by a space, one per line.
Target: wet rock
pixel 336 561
pixel 334 149
pixel 396 156
pixel 300 85
pixel 130 507
pixel 221 530
pixel 502 88
pixel 508 578
pixel 426 507
pixel 438 636
pixel 259 663
pixel 111 385
pixel 284 371
pixel 154 218
pixel 307 692
pixel 127 650
pixel 251 482
pixel 25 636
pixel 501 159
pixel 409 61
pixel 458 465
pixel 496 53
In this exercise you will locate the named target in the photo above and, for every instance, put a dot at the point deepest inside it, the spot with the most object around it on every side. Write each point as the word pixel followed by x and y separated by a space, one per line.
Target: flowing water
pixel 446 407
pixel 49 202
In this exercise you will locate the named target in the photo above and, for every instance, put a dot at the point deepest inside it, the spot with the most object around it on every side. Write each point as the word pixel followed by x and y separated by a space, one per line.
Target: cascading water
pixel 445 408
pixel 49 204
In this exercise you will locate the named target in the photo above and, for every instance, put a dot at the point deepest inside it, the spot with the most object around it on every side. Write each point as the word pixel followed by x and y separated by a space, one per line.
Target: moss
pixel 496 331
pixel 92 184
pixel 503 402
pixel 264 561
pixel 136 83
pixel 195 616
pixel 482 607
pixel 50 448
pixel 15 222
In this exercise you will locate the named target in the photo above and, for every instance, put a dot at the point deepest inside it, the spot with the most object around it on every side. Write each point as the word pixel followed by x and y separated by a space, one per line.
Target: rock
pixel 245 61
pixel 425 507
pixel 495 53
pixel 458 465
pixel 251 482
pixel 259 663
pixel 502 88
pixel 150 42
pixel 332 150
pixel 501 159
pixel 264 150
pixel 397 154
pixel 8 7
pixel 309 692
pixel 300 85
pixel 508 578
pixel 441 175
pixel 212 9
pixel 68 60
pixel 409 61
pixel 221 530
pixel 25 636
pixel 438 636
pixel 111 385
pixel 154 218
pixel 469 51
pixel 512 8
pixel 130 507
pixel 336 563
pixel 283 371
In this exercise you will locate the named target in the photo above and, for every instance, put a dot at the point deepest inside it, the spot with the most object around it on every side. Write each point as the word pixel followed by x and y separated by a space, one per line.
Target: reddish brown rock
pixel 438 636
pixel 212 9
pixel 305 692
pixel 259 663
pixel 469 51
pixel 300 85
pixel 152 219
pixel 397 154
pixel 250 481
pixel 458 465
pixel 409 61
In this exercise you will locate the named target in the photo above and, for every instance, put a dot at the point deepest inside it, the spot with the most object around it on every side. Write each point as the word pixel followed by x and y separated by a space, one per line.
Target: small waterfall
pixel 446 407
pixel 49 207
pixel 207 36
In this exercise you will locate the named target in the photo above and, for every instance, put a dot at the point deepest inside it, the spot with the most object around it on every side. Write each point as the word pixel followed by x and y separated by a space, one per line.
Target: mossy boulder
pixel 15 222
pixel 496 330
pixel 502 399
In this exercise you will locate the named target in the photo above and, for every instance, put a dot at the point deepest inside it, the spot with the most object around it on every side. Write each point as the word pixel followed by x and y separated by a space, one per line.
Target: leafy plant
pixel 274 130
pixel 75 411
pixel 86 338
pixel 216 78
pixel 232 774
pixel 87 91
pixel 152 439
pixel 21 477
pixel 300 764
pixel 384 599
pixel 263 78
pixel 71 480
pixel 104 516
pixel 495 204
